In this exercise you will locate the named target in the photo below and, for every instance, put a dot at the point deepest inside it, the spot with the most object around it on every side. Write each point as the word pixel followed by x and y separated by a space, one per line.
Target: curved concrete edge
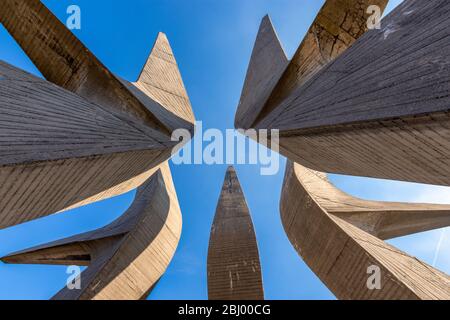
pixel 126 258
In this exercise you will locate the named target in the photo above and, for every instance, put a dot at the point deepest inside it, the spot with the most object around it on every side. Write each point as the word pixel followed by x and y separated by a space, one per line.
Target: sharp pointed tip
pixel 161 40
pixel 238 123
pixel 161 35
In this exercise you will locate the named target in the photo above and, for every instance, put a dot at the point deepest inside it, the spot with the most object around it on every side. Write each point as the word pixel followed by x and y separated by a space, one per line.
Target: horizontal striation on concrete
pixel 337 26
pixel 84 134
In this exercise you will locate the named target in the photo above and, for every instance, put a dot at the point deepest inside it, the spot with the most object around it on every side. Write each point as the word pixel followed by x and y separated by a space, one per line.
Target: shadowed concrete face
pixel 126 258
pixel 340 238
pixel 85 135
pixel 372 104
pixel 161 89
pixel 234 271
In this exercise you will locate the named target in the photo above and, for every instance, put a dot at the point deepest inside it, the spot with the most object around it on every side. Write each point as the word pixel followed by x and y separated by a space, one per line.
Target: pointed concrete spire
pixel 85 135
pixel 267 64
pixel 385 220
pixel 340 238
pixel 160 80
pixel 60 151
pixel 126 258
pixel 234 270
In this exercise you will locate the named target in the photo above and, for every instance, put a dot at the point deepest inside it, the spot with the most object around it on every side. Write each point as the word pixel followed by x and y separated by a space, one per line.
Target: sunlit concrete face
pixel 341 239
pixel 356 101
pixel 126 258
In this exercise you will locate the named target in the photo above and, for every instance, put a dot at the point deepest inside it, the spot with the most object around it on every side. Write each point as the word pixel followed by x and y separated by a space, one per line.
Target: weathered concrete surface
pixel 234 270
pixel 339 237
pixel 380 109
pixel 85 135
pixel 126 258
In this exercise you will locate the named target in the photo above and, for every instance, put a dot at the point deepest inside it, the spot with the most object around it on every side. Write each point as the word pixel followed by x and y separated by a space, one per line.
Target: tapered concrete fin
pixel 385 220
pixel 267 64
pixel 126 258
pixel 161 80
pixel 234 270
pixel 337 26
pixel 65 61
pixel 343 254
pixel 379 109
pixel 84 119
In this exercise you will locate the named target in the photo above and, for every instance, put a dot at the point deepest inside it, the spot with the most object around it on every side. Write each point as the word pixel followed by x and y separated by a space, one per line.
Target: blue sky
pixel 212 41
